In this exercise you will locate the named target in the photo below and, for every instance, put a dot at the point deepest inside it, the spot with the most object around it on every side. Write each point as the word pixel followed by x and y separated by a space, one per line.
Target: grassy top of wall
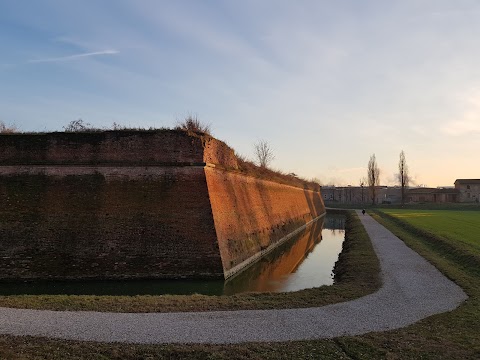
pixel 133 147
pixel 250 169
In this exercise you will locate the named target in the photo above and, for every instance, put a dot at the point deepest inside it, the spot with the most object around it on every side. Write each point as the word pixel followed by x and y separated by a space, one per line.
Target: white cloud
pixel 75 56
pixel 471 124
pixel 469 121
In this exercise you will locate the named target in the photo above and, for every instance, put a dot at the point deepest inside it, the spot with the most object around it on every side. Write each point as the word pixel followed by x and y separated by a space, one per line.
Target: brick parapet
pixel 163 147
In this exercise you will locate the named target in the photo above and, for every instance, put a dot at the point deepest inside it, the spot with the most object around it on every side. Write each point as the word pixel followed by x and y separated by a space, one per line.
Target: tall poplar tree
pixel 403 177
pixel 373 177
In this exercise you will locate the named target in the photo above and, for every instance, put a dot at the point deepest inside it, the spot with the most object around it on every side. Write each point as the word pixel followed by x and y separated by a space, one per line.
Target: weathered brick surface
pixel 250 214
pixel 109 223
pixel 122 147
pixel 217 152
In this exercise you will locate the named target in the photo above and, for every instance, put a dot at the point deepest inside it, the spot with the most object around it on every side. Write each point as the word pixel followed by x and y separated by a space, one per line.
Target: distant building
pixel 393 195
pixel 346 194
pixel 433 195
pixel 465 191
pixel 469 190
pixel 361 194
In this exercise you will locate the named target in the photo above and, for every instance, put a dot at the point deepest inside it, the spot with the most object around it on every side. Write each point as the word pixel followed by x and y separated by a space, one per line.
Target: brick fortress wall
pixel 124 205
pixel 251 215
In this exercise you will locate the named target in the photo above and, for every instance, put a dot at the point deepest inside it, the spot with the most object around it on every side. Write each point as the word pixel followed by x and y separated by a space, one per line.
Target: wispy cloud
pixel 75 56
pixel 463 127
pixel 6 66
pixel 469 121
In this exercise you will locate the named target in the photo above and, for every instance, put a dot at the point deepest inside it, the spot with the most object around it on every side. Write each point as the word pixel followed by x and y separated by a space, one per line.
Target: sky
pixel 325 83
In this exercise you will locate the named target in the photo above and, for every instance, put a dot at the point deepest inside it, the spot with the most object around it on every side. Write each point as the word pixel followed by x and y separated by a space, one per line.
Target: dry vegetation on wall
pixel 249 168
pixel 7 129
pixel 191 124
pixel 80 126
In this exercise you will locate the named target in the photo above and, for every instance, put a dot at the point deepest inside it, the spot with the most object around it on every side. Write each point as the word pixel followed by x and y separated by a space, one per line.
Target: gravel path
pixel 412 290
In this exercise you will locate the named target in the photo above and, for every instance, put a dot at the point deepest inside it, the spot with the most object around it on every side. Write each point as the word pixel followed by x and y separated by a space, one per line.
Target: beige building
pixel 465 191
pixel 469 190
pixel 361 194
pixel 432 195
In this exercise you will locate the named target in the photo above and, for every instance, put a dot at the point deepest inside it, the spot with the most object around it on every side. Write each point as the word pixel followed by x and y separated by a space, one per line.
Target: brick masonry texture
pixel 125 205
pixel 102 226
pixel 250 214
pixel 124 147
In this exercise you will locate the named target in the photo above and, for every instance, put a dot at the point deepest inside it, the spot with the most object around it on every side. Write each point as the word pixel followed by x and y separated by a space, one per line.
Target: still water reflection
pixel 305 261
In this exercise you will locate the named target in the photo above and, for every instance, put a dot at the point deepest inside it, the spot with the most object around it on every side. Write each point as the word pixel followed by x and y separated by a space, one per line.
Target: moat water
pixel 305 261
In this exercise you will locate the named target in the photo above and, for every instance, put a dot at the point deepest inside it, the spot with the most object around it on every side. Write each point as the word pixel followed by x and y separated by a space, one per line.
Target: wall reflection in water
pixel 305 261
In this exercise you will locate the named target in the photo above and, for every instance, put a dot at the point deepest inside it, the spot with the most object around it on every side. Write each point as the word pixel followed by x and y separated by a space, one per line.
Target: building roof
pixel 467 181
pixel 433 191
pixel 421 190
pixel 446 191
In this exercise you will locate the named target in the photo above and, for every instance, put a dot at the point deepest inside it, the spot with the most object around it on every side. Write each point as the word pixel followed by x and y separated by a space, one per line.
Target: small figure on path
pixel 363 211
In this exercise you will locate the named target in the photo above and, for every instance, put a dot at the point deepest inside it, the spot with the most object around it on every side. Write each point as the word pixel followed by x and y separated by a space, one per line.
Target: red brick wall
pixel 101 147
pixel 126 205
pixel 107 223
pixel 251 214
pixel 217 152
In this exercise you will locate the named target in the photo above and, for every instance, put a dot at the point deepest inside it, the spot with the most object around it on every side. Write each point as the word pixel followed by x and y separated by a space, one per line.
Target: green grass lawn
pixel 458 226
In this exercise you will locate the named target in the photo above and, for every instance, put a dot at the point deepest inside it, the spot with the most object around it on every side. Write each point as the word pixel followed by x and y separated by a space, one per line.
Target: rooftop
pixel 467 181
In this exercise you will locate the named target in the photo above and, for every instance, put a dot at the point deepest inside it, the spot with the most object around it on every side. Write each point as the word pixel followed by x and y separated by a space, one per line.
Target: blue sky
pixel 326 83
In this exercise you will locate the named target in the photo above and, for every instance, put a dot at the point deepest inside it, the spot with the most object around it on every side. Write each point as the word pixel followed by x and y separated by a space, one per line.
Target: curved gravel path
pixel 412 290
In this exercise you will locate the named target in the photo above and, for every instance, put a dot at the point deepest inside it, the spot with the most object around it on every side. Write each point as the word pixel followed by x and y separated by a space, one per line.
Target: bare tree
pixel 373 177
pixel 403 177
pixel 362 183
pixel 263 153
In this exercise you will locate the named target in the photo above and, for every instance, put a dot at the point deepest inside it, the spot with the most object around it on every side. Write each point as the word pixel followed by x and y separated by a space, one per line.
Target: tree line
pixel 373 177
